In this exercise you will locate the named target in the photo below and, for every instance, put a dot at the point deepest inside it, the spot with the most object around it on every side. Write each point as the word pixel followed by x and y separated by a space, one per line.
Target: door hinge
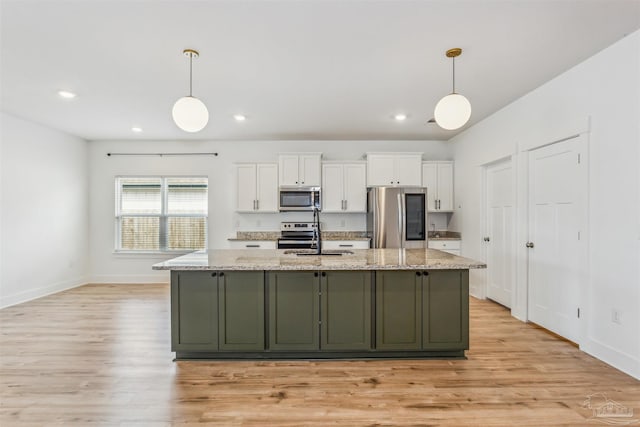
pixel 578 312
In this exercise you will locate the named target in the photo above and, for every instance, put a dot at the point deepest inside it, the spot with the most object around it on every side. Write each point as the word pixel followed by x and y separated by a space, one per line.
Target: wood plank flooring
pixel 100 355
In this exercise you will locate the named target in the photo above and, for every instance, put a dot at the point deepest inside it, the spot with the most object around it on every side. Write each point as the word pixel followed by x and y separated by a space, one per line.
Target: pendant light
pixel 189 113
pixel 454 110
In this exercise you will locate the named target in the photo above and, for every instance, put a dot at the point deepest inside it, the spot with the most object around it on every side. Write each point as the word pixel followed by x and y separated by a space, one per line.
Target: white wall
pixel 106 266
pixel 44 211
pixel 600 98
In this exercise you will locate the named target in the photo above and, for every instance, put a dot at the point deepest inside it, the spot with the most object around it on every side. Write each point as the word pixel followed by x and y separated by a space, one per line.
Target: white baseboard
pixel 31 294
pixel 163 277
pixel 618 359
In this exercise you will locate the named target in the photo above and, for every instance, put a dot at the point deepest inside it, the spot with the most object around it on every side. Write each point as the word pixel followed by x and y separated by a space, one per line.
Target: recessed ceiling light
pixel 240 117
pixel 66 94
pixel 136 129
pixel 400 117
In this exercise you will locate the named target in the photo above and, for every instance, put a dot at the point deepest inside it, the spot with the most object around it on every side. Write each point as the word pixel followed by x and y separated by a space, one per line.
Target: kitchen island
pixel 234 304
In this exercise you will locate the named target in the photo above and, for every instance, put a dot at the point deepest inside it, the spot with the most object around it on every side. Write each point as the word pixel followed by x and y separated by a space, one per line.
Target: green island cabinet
pixel 422 310
pixel 359 313
pixel 217 311
pixel 311 310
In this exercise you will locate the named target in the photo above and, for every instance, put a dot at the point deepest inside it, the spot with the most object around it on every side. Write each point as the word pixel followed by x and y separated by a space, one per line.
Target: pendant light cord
pixel 454 74
pixel 190 74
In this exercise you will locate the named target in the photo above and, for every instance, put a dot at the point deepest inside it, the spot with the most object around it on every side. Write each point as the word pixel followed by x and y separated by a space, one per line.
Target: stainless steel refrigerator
pixel 397 217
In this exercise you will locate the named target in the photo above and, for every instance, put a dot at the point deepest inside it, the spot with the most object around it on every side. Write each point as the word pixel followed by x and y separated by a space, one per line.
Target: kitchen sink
pixel 311 252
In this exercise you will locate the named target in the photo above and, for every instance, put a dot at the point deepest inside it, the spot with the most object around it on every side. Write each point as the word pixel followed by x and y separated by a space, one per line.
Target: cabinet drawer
pixel 345 244
pixel 252 244
pixel 444 245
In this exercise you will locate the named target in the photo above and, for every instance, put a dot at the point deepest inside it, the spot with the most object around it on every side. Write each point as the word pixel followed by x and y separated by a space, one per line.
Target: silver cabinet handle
pixel 257 205
pixel 254 205
pixel 345 246
pixel 251 246
pixel 345 205
pixel 529 244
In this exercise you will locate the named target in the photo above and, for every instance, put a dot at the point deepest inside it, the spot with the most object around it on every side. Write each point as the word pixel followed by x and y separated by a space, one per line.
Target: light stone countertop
pixel 443 235
pixel 274 235
pixel 361 259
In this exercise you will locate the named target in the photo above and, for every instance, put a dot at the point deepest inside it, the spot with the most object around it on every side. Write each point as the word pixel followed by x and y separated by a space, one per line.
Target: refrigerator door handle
pixel 401 219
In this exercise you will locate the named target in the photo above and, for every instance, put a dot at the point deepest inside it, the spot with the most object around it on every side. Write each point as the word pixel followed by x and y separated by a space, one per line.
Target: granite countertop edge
pixel 236 239
pixel 361 259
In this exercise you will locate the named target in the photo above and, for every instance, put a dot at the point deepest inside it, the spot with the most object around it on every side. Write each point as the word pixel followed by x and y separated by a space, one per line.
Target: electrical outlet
pixel 616 316
pixel 342 223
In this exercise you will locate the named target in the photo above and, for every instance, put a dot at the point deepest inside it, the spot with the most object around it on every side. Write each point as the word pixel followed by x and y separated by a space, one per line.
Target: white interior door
pixel 500 232
pixel 557 213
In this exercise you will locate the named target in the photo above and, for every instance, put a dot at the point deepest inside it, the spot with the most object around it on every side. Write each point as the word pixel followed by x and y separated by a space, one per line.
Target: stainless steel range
pixel 297 235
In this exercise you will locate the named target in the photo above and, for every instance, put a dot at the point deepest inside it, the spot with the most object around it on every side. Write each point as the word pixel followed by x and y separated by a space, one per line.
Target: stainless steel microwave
pixel 298 198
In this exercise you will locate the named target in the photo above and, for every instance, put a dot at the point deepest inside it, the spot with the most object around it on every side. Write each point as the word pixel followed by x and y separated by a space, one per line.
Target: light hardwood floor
pixel 99 355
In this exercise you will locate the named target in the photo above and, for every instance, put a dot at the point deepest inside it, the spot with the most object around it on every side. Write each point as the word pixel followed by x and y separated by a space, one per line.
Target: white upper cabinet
pixel 299 169
pixel 394 169
pixel 438 178
pixel 344 187
pixel 256 187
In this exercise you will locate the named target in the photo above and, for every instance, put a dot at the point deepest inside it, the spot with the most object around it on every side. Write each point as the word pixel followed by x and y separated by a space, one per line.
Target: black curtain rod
pixel 161 154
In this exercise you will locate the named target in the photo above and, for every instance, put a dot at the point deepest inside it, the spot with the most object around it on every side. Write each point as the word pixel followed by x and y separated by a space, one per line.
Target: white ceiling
pixel 307 69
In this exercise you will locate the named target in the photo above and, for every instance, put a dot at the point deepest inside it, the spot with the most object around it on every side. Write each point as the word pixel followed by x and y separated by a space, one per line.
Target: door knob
pixel 529 244
pixel 486 239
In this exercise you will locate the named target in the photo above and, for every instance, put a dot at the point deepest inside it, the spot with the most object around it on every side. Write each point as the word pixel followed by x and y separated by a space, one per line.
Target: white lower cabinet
pixel 345 244
pixel 252 244
pixel 449 246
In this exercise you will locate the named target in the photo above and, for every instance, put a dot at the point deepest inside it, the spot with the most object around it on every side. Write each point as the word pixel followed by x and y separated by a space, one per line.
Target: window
pixel 161 213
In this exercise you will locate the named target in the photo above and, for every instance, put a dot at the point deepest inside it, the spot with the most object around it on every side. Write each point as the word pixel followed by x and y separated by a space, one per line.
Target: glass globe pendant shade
pixel 452 112
pixel 190 114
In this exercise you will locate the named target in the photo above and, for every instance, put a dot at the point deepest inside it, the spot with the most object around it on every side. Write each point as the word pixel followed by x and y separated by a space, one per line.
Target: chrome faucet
pixel 317 239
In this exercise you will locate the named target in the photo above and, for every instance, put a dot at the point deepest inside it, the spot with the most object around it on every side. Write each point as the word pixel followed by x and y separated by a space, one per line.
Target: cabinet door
pixel 194 311
pixel 346 310
pixel 267 187
pixel 293 310
pixel 398 314
pixel 332 188
pixel 245 187
pixel 288 169
pixel 445 186
pixel 309 170
pixel 241 310
pixel 355 187
pixel 408 170
pixel 380 170
pixel 445 303
pixel 430 180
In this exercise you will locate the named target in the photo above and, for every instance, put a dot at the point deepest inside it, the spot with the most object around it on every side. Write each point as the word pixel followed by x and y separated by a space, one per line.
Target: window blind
pixel 161 213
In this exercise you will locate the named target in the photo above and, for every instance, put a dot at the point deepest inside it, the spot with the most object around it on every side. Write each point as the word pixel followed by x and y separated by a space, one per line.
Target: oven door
pixel 295 244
